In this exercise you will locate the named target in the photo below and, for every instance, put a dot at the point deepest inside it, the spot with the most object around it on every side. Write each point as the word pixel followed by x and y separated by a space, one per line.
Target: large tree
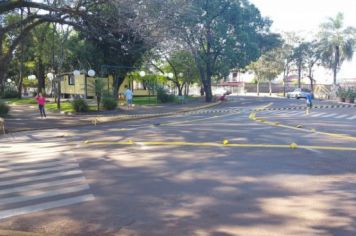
pixel 222 34
pixel 119 29
pixel 336 43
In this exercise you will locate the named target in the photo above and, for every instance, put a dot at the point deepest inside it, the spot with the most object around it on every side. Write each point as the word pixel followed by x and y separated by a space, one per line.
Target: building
pixel 83 86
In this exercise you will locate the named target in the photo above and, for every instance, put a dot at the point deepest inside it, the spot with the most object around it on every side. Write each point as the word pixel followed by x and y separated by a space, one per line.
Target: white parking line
pixel 61 191
pixel 352 118
pixel 12 167
pixel 26 172
pixel 45 206
pixel 330 115
pixel 318 114
pixel 41 185
pixel 339 117
pixel 40 177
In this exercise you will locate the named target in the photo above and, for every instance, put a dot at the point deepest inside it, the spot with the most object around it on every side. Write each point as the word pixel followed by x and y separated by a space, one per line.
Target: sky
pixel 305 16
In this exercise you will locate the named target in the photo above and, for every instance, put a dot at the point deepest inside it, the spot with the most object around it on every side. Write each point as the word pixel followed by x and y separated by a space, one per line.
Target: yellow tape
pixel 231 145
pixel 300 128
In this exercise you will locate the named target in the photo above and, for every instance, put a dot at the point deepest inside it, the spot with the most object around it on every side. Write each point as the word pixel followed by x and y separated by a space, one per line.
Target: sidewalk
pixel 26 117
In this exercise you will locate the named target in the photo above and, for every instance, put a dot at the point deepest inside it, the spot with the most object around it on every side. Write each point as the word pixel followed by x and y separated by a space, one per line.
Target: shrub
pixel 80 105
pixel 109 103
pixel 350 93
pixel 4 108
pixel 10 94
pixel 163 96
pixel 341 92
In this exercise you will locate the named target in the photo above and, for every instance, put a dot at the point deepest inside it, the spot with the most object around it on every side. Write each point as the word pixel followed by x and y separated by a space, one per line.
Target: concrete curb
pixel 101 120
pixel 304 107
pixel 18 233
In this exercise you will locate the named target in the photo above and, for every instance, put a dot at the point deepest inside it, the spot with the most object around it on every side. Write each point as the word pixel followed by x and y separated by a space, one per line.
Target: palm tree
pixel 337 43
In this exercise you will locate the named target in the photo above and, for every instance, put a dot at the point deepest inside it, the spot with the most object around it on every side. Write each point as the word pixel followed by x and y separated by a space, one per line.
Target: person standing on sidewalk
pixel 41 101
pixel 128 95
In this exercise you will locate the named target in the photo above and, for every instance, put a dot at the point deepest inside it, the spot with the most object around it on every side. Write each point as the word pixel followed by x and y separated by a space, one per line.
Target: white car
pixel 299 93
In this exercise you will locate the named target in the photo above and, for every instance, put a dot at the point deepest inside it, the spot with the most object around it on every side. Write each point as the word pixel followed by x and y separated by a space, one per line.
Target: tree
pixel 116 28
pixel 336 43
pixel 222 35
pixel 268 67
pixel 298 58
pixel 312 57
pixel 177 66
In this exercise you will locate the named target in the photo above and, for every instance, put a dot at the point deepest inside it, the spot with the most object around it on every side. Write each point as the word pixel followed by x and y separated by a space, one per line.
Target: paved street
pixel 225 170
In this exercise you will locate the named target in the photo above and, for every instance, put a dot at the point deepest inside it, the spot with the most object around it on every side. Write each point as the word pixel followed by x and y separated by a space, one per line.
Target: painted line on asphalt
pixel 12 167
pixel 229 145
pixel 41 185
pixel 352 118
pixel 40 177
pixel 9 173
pixel 195 120
pixel 45 206
pixel 252 116
pixel 58 192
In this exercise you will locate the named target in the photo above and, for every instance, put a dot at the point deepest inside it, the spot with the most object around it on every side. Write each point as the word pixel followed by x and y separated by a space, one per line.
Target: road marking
pixel 33 166
pixel 339 117
pixel 40 177
pixel 26 172
pixel 52 193
pixel 45 206
pixel 252 116
pixel 352 118
pixel 41 185
pixel 236 145
pixel 329 115
pixel 318 114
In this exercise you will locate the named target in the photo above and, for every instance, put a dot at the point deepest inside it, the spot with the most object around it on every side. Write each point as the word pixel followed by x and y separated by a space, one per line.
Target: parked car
pixel 299 93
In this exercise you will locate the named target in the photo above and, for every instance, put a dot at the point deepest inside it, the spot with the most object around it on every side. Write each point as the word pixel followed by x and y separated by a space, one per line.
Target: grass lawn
pixel 22 101
pixel 66 107
pixel 145 100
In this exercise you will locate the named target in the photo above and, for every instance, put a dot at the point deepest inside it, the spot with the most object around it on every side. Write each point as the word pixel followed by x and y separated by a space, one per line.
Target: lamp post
pixel 52 77
pixel 90 73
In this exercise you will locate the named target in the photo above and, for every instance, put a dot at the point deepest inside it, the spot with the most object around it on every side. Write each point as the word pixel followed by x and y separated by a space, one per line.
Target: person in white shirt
pixel 128 95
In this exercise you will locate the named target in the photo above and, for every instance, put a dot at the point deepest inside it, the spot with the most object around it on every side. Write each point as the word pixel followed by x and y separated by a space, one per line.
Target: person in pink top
pixel 41 101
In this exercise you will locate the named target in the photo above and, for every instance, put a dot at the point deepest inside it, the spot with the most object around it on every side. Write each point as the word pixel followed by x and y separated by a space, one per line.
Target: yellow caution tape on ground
pixel 224 144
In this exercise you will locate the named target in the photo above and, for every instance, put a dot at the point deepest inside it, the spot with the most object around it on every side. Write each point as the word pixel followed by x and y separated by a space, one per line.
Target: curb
pixel 18 233
pixel 97 120
pixel 304 107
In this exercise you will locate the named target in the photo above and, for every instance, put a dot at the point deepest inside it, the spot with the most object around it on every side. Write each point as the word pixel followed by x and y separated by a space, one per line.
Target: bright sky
pixel 305 16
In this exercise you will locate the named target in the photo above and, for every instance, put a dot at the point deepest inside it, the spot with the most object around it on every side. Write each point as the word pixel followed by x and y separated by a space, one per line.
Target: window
pixel 234 75
pixel 71 80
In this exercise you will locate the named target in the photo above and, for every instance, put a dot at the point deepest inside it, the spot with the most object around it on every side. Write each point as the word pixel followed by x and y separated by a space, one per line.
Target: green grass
pixel 22 101
pixel 66 107
pixel 145 100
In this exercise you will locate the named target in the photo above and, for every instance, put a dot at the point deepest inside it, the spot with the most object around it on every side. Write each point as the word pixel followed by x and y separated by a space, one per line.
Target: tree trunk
pixel 202 90
pixel 98 98
pixel 117 83
pixel 180 89
pixel 258 88
pixel 207 90
pixel 270 88
pixel 40 75
pixel 336 62
pixel 299 75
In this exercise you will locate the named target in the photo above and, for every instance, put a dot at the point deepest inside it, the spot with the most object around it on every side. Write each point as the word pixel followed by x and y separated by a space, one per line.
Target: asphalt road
pixel 222 171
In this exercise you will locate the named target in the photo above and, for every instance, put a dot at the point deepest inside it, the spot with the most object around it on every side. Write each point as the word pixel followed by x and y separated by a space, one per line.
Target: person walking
pixel 309 99
pixel 128 96
pixel 41 101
